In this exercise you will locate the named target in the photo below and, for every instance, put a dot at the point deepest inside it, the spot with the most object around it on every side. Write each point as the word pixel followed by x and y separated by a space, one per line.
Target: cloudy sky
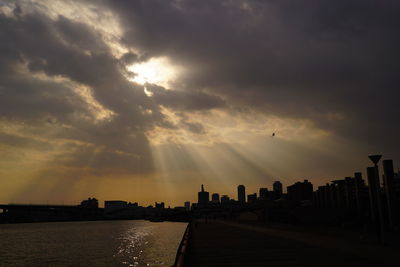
pixel 144 100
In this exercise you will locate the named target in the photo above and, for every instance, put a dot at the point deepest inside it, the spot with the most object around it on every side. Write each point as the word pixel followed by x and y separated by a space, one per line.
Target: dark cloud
pixel 106 161
pixel 334 63
pixel 301 59
pixel 24 142
pixel 72 50
pixel 32 44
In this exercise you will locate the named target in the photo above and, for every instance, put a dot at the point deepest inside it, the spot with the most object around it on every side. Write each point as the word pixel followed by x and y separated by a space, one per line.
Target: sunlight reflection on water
pixel 132 243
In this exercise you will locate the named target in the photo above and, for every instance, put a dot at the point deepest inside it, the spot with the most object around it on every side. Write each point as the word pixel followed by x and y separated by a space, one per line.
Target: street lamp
pixel 375 159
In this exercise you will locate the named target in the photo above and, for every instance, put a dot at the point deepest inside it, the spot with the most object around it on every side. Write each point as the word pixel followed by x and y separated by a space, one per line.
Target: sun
pixel 156 71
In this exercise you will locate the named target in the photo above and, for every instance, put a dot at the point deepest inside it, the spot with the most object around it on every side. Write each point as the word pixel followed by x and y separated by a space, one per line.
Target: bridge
pixel 15 213
pixel 10 206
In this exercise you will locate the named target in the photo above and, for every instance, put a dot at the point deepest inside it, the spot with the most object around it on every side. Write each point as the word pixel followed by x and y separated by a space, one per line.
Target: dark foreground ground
pixel 218 243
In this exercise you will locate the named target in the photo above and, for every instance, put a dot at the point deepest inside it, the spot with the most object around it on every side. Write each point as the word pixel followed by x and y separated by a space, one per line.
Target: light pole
pixel 375 159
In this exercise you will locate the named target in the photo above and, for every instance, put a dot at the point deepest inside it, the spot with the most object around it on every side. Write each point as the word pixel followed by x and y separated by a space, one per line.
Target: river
pixel 93 243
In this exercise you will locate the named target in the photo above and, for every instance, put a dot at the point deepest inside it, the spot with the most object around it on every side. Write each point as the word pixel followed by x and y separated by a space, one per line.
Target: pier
pixel 224 243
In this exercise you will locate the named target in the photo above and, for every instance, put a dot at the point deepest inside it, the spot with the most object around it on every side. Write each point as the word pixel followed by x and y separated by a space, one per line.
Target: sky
pixel 145 100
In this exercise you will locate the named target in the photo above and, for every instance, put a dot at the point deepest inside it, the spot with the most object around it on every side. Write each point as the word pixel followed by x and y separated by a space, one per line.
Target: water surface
pixel 96 243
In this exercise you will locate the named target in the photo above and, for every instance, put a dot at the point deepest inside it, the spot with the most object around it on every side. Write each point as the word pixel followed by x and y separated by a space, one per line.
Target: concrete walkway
pixel 219 243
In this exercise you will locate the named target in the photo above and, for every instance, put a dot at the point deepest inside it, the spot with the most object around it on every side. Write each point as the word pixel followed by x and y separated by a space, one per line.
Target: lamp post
pixel 375 159
pixel 390 194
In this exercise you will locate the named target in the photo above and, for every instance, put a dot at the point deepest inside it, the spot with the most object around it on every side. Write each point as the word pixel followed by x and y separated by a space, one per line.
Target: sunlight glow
pixel 156 71
pixel 147 92
pixel 219 126
pixel 232 149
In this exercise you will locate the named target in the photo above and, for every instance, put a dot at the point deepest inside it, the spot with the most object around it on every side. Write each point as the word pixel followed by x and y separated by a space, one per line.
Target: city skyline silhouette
pixel 364 196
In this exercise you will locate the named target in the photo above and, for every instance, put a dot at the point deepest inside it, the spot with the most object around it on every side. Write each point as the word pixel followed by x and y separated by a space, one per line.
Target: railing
pixel 182 249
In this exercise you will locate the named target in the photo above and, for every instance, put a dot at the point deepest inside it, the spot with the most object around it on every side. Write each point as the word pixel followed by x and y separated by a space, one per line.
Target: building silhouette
pixel 114 205
pixel 277 189
pixel 225 199
pixel 187 205
pixel 300 191
pixel 348 193
pixel 241 190
pixel 215 198
pixel 160 205
pixel 263 193
pixel 252 198
pixel 203 196
pixel 91 203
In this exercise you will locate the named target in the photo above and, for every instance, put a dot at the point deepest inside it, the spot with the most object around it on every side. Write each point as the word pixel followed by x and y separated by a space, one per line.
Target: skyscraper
pixel 203 196
pixel 241 194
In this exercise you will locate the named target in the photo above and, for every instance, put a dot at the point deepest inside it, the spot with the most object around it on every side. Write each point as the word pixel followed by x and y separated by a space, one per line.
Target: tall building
pixel 215 198
pixel 263 193
pixel 203 196
pixel 277 187
pixel 341 195
pixel 241 194
pixel 300 191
